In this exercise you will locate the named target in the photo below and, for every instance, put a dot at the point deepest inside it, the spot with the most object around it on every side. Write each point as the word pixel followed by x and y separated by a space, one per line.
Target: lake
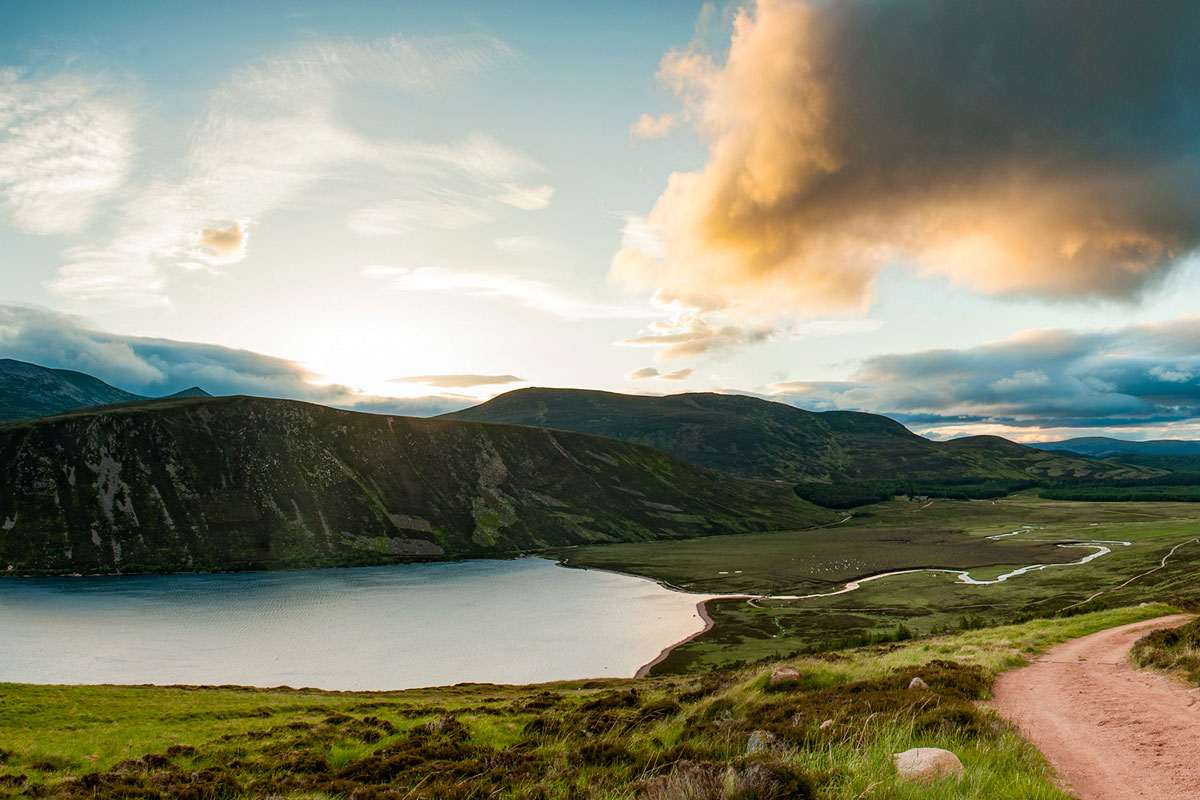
pixel 395 627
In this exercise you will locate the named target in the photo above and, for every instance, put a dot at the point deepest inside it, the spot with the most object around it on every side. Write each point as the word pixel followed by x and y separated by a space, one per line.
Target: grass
pixel 900 535
pixel 1176 650
pixel 652 738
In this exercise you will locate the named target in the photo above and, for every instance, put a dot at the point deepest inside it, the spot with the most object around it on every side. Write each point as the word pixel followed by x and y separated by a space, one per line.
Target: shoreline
pixel 702 609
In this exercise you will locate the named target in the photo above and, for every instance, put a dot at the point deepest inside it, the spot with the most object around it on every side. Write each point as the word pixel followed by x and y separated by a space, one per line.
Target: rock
pixel 927 764
pixel 760 741
pixel 917 683
pixel 827 724
pixel 784 675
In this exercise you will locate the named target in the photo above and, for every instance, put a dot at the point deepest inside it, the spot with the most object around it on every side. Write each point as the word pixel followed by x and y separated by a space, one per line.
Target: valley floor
pixel 1155 554
pixel 664 738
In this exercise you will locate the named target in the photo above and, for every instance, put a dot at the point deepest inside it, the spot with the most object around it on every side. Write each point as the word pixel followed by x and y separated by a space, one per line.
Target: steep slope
pixel 757 438
pixel 231 483
pixel 28 391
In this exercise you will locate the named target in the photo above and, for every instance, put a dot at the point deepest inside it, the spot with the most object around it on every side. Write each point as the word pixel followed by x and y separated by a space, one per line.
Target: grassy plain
pixel 656 738
pixel 900 535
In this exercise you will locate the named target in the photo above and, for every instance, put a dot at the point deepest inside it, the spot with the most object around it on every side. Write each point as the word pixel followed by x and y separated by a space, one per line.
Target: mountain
pixel 755 438
pixel 239 483
pixel 1104 447
pixel 28 391
pixel 193 391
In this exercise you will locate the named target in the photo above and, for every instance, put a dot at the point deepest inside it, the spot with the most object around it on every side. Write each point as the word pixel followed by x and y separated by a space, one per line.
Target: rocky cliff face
pixel 241 483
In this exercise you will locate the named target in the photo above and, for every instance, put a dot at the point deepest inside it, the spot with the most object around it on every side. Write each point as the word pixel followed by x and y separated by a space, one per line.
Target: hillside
pixel 756 438
pixel 237 483
pixel 28 391
pixel 1105 447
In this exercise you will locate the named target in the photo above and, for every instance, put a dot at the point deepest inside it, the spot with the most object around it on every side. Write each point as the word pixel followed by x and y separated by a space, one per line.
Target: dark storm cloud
pixel 1138 375
pixel 155 367
pixel 1017 146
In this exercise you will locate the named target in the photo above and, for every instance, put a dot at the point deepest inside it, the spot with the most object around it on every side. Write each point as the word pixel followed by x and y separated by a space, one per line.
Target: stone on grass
pixel 927 764
pixel 760 741
pixel 917 683
pixel 784 675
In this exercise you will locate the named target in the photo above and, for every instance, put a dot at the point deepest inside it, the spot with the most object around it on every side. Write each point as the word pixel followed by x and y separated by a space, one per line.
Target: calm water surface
pixel 392 627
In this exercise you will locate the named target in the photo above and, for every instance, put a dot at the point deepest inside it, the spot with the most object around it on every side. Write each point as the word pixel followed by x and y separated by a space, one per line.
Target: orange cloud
pixel 649 126
pixel 224 241
pixel 846 136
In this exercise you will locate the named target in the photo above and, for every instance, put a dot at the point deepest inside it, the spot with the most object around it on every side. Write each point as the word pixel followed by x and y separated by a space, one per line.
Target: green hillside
pixel 239 483
pixel 757 438
pixel 28 391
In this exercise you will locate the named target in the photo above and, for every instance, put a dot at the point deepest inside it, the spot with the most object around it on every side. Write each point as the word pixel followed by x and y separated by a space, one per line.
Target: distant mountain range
pixel 97 479
pixel 755 438
pixel 29 391
pixel 1104 447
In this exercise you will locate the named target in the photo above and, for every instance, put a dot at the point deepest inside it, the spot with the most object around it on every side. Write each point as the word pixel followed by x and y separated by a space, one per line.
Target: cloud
pixel 1132 376
pixel 65 143
pixel 693 335
pixel 530 293
pixel 522 245
pixel 226 241
pixel 464 381
pixel 820 328
pixel 652 372
pixel 527 198
pixel 649 126
pixel 268 134
pixel 1018 147
pixel 405 216
pixel 156 367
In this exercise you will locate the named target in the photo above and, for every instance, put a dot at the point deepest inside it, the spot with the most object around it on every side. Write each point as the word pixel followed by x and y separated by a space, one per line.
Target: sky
pixel 976 218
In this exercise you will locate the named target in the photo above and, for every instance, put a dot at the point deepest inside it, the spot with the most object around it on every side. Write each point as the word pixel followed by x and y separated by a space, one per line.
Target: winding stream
pixel 1100 548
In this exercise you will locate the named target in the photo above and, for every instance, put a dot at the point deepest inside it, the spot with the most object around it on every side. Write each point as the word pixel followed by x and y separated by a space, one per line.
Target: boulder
pixel 784 675
pixel 760 741
pixel 927 764
pixel 917 683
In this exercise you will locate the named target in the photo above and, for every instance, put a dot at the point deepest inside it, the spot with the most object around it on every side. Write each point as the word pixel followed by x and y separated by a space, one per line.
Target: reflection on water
pixel 366 628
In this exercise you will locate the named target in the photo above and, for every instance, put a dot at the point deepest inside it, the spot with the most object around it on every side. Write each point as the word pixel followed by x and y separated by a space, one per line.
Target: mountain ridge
pixel 757 438
pixel 248 483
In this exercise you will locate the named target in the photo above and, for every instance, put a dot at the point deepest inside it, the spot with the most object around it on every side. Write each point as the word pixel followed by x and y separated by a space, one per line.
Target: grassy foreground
pixel 680 737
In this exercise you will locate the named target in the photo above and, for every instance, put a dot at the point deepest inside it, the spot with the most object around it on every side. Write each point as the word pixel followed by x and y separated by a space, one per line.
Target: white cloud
pixel 526 198
pixel 1171 374
pixel 404 216
pixel 649 126
pixel 268 134
pixel 835 327
pixel 531 293
pixel 691 334
pixel 522 245
pixel 65 143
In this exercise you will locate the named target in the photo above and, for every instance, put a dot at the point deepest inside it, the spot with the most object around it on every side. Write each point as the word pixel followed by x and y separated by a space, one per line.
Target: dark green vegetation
pixel 906 534
pixel 840 458
pixel 241 483
pixel 1175 650
pixel 674 738
pixel 1154 492
pixel 28 391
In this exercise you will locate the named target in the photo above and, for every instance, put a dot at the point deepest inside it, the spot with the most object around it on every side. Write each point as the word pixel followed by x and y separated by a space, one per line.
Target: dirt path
pixel 1110 731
